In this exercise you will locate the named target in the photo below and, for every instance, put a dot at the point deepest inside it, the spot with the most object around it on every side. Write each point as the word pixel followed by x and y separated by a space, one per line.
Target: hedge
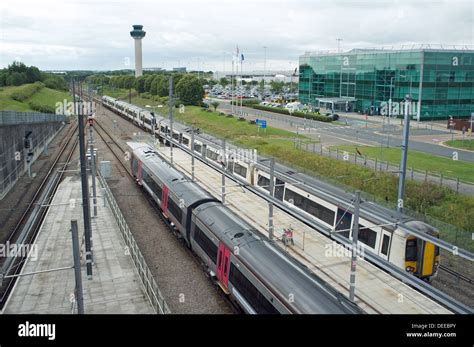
pixel 299 114
pixel 26 91
pixel 41 108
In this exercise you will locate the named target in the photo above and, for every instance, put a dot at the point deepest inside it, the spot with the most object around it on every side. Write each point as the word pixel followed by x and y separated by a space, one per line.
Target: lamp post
pixel 403 162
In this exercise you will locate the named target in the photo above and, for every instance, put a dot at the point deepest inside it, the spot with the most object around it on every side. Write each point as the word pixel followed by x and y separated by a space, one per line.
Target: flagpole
pixel 241 86
pixel 232 87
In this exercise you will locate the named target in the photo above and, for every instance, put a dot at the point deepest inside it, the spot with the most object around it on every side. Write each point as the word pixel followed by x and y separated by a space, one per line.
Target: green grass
pixel 452 213
pixel 117 92
pixel 45 96
pixel 7 103
pixel 462 144
pixel 417 160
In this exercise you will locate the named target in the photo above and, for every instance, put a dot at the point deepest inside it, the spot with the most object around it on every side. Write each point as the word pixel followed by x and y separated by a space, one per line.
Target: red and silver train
pixel 256 274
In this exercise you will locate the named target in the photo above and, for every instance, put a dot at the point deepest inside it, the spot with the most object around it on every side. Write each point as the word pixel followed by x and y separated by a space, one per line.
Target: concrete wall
pixel 13 154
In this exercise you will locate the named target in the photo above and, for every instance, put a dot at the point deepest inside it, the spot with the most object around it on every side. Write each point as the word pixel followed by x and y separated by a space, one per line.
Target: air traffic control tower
pixel 138 34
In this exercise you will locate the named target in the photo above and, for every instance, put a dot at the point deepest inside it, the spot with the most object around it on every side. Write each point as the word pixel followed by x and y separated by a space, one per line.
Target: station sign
pixel 261 123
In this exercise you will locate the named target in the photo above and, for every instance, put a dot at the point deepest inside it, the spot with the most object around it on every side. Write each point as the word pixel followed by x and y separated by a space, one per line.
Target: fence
pixel 40 142
pixel 438 178
pixel 14 117
pixel 149 284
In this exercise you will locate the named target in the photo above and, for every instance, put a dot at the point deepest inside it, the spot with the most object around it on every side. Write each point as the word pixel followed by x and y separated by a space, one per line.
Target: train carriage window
pixel 250 293
pixel 174 209
pixel 198 148
pixel 185 141
pixel 211 154
pixel 205 243
pixel 411 250
pixel 313 208
pixel 279 189
pixel 240 170
pixel 263 182
pixel 319 211
pixel 150 182
pixel 385 244
pixel 344 222
pixel 367 236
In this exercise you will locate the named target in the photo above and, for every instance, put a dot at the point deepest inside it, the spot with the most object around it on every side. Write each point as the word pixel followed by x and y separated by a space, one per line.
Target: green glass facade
pixel 441 82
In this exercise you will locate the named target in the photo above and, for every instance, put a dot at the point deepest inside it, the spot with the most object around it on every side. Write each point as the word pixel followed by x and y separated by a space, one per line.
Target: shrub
pixel 41 108
pixel 27 91
pixel 298 114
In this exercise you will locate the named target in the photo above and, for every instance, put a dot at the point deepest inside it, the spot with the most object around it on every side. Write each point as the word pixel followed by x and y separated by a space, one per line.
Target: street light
pixel 403 163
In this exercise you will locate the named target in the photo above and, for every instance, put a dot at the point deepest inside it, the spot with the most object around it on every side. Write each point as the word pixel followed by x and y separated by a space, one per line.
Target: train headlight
pixel 436 263
pixel 410 269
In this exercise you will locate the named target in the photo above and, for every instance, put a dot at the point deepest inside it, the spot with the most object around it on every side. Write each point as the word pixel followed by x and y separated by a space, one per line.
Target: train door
pixel 139 172
pixel 164 199
pixel 385 244
pixel 223 265
pixel 429 253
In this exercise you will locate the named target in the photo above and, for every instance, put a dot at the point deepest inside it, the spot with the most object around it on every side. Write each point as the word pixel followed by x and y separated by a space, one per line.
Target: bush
pixel 26 91
pixel 41 108
pixel 298 114
pixel 246 102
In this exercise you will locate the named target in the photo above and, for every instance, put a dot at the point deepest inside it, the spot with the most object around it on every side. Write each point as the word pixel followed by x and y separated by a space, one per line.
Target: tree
pixel 162 88
pixel 140 84
pixel 189 90
pixel 215 104
pixel 148 81
pixel 276 86
pixel 223 81
pixel 154 85
pixel 16 79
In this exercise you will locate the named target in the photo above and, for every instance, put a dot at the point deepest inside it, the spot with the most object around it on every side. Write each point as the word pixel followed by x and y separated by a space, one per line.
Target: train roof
pixel 179 184
pixel 278 270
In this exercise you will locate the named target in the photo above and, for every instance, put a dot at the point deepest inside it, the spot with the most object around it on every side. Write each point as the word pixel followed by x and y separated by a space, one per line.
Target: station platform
pixel 377 292
pixel 115 287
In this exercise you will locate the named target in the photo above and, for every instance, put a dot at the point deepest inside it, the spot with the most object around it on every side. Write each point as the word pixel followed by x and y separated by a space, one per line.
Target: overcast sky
pixel 94 34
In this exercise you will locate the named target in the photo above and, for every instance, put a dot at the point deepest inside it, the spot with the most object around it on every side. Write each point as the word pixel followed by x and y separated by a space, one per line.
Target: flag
pixel 241 57
pixel 358 152
pixel 294 73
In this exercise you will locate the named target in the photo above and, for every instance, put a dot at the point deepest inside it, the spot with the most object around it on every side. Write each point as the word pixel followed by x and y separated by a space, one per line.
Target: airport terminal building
pixel 376 81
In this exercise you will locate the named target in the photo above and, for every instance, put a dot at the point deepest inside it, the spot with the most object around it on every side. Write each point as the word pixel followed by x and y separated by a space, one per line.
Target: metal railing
pixel 438 178
pixel 46 136
pixel 14 117
pixel 146 277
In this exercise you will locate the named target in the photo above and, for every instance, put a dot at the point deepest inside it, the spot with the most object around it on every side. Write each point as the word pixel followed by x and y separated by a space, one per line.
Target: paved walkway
pixel 115 286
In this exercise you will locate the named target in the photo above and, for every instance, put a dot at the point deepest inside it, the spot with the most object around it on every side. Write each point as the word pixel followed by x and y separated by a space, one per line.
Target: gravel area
pixel 180 275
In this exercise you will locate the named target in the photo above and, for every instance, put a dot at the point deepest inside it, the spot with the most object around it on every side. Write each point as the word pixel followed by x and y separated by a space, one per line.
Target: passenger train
pixel 260 277
pixel 325 204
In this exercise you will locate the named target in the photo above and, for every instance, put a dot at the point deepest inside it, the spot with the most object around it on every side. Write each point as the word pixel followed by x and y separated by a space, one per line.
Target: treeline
pixel 18 73
pixel 188 87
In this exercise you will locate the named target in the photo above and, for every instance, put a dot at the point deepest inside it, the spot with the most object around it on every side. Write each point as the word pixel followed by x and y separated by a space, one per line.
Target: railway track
pixel 27 227
pixel 456 274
